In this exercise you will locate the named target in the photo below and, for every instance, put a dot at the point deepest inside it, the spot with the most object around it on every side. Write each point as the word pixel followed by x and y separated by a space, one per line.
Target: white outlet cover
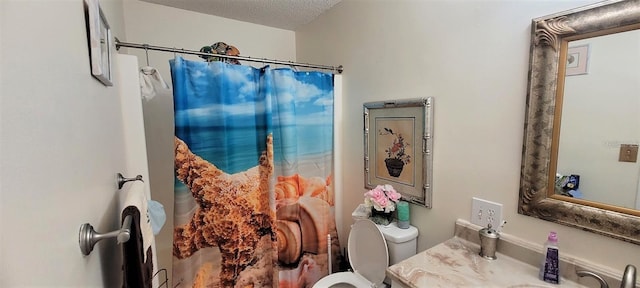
pixel 484 212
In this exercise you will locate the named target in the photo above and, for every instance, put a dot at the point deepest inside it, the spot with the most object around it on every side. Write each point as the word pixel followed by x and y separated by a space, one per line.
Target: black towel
pixel 137 273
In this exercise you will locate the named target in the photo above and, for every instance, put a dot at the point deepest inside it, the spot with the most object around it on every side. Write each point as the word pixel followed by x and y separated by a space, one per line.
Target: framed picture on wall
pixel 577 60
pixel 100 42
pixel 398 147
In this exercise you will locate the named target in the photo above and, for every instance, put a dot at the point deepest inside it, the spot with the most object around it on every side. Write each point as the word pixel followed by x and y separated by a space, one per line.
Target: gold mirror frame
pixel 550 35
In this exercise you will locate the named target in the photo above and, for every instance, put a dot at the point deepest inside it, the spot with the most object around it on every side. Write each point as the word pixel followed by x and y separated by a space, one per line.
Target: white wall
pixel 472 57
pixel 61 148
pixel 61 129
pixel 164 26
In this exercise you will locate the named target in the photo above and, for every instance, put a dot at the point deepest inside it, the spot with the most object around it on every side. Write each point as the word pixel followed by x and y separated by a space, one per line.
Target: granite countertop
pixel 456 263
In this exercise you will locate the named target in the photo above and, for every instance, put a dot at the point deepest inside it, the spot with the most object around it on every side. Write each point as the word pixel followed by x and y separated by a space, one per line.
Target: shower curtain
pixel 253 161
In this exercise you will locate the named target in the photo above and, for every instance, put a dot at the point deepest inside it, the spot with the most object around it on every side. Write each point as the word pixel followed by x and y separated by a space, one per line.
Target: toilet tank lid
pixel 394 234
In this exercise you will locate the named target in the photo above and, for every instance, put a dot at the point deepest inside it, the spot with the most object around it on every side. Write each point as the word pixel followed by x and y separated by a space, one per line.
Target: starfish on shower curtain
pixel 233 211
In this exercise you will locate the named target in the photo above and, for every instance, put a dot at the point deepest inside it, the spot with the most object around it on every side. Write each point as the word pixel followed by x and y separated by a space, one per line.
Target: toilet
pixel 372 248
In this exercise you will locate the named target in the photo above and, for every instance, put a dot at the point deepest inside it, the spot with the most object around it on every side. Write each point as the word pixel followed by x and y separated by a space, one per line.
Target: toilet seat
pixel 343 278
pixel 368 255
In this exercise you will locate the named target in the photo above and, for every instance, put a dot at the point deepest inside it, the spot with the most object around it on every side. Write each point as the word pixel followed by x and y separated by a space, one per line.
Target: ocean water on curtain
pixel 241 139
pixel 254 192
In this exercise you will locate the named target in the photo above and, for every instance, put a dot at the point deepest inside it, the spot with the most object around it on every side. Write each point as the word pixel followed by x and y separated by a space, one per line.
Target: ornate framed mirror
pixel 567 52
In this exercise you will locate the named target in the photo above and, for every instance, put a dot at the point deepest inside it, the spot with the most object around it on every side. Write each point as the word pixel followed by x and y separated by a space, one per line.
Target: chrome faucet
pixel 603 283
pixel 629 277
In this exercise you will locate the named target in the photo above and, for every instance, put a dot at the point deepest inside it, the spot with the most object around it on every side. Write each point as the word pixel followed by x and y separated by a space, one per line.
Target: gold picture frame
pixel 100 42
pixel 398 147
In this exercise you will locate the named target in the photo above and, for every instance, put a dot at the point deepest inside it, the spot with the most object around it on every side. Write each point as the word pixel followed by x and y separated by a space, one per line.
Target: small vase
pixel 394 166
pixel 381 217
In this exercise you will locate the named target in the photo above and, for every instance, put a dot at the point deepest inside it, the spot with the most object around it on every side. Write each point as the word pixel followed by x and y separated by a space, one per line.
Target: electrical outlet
pixel 485 212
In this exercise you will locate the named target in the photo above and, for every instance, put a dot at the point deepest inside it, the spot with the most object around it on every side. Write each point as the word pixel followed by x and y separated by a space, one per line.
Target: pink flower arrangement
pixel 397 148
pixel 382 198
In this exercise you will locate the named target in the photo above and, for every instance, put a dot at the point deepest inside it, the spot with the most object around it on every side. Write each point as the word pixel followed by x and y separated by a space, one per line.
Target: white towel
pixel 135 196
pixel 150 82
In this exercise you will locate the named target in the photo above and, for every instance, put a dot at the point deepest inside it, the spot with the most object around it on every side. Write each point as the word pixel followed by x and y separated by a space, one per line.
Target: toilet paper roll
pixel 403 211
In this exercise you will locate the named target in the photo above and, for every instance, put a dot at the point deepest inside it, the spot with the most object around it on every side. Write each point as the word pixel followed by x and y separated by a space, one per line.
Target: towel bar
pixel 89 237
pixel 121 179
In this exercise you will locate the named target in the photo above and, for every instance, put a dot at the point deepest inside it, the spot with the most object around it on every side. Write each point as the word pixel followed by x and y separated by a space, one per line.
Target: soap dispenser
pixel 488 242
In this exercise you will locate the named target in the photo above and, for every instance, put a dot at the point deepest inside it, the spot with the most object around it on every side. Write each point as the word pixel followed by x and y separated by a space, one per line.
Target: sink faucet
pixel 603 283
pixel 629 277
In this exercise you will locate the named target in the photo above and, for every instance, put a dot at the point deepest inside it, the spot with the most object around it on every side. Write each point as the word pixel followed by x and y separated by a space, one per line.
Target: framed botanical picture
pixel 100 42
pixel 398 147
pixel 577 60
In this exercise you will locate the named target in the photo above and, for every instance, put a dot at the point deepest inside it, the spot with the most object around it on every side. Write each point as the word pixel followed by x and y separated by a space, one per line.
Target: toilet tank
pixel 402 243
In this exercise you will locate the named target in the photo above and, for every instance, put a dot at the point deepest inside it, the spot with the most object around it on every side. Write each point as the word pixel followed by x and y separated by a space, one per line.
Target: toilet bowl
pixel 368 255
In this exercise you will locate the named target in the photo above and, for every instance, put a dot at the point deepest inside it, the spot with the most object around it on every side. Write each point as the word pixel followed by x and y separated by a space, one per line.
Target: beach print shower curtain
pixel 253 163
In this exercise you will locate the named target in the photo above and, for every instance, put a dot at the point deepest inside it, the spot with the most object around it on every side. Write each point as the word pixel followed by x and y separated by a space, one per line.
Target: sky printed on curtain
pixel 243 107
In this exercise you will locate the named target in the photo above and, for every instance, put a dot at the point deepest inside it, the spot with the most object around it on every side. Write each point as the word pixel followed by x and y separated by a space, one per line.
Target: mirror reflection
pixel 581 113
pixel 600 121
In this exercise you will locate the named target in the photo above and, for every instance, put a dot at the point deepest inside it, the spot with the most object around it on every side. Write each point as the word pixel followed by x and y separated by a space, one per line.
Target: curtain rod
pixel 119 44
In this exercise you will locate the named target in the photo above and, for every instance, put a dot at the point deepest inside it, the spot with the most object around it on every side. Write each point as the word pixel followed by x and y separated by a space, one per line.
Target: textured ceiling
pixel 283 14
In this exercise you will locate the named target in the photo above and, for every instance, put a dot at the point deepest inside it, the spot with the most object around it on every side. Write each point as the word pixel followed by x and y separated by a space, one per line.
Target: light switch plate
pixel 628 153
pixel 484 212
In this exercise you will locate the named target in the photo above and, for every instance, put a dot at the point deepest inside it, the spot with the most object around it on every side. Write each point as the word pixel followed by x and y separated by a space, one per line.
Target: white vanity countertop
pixel 456 263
